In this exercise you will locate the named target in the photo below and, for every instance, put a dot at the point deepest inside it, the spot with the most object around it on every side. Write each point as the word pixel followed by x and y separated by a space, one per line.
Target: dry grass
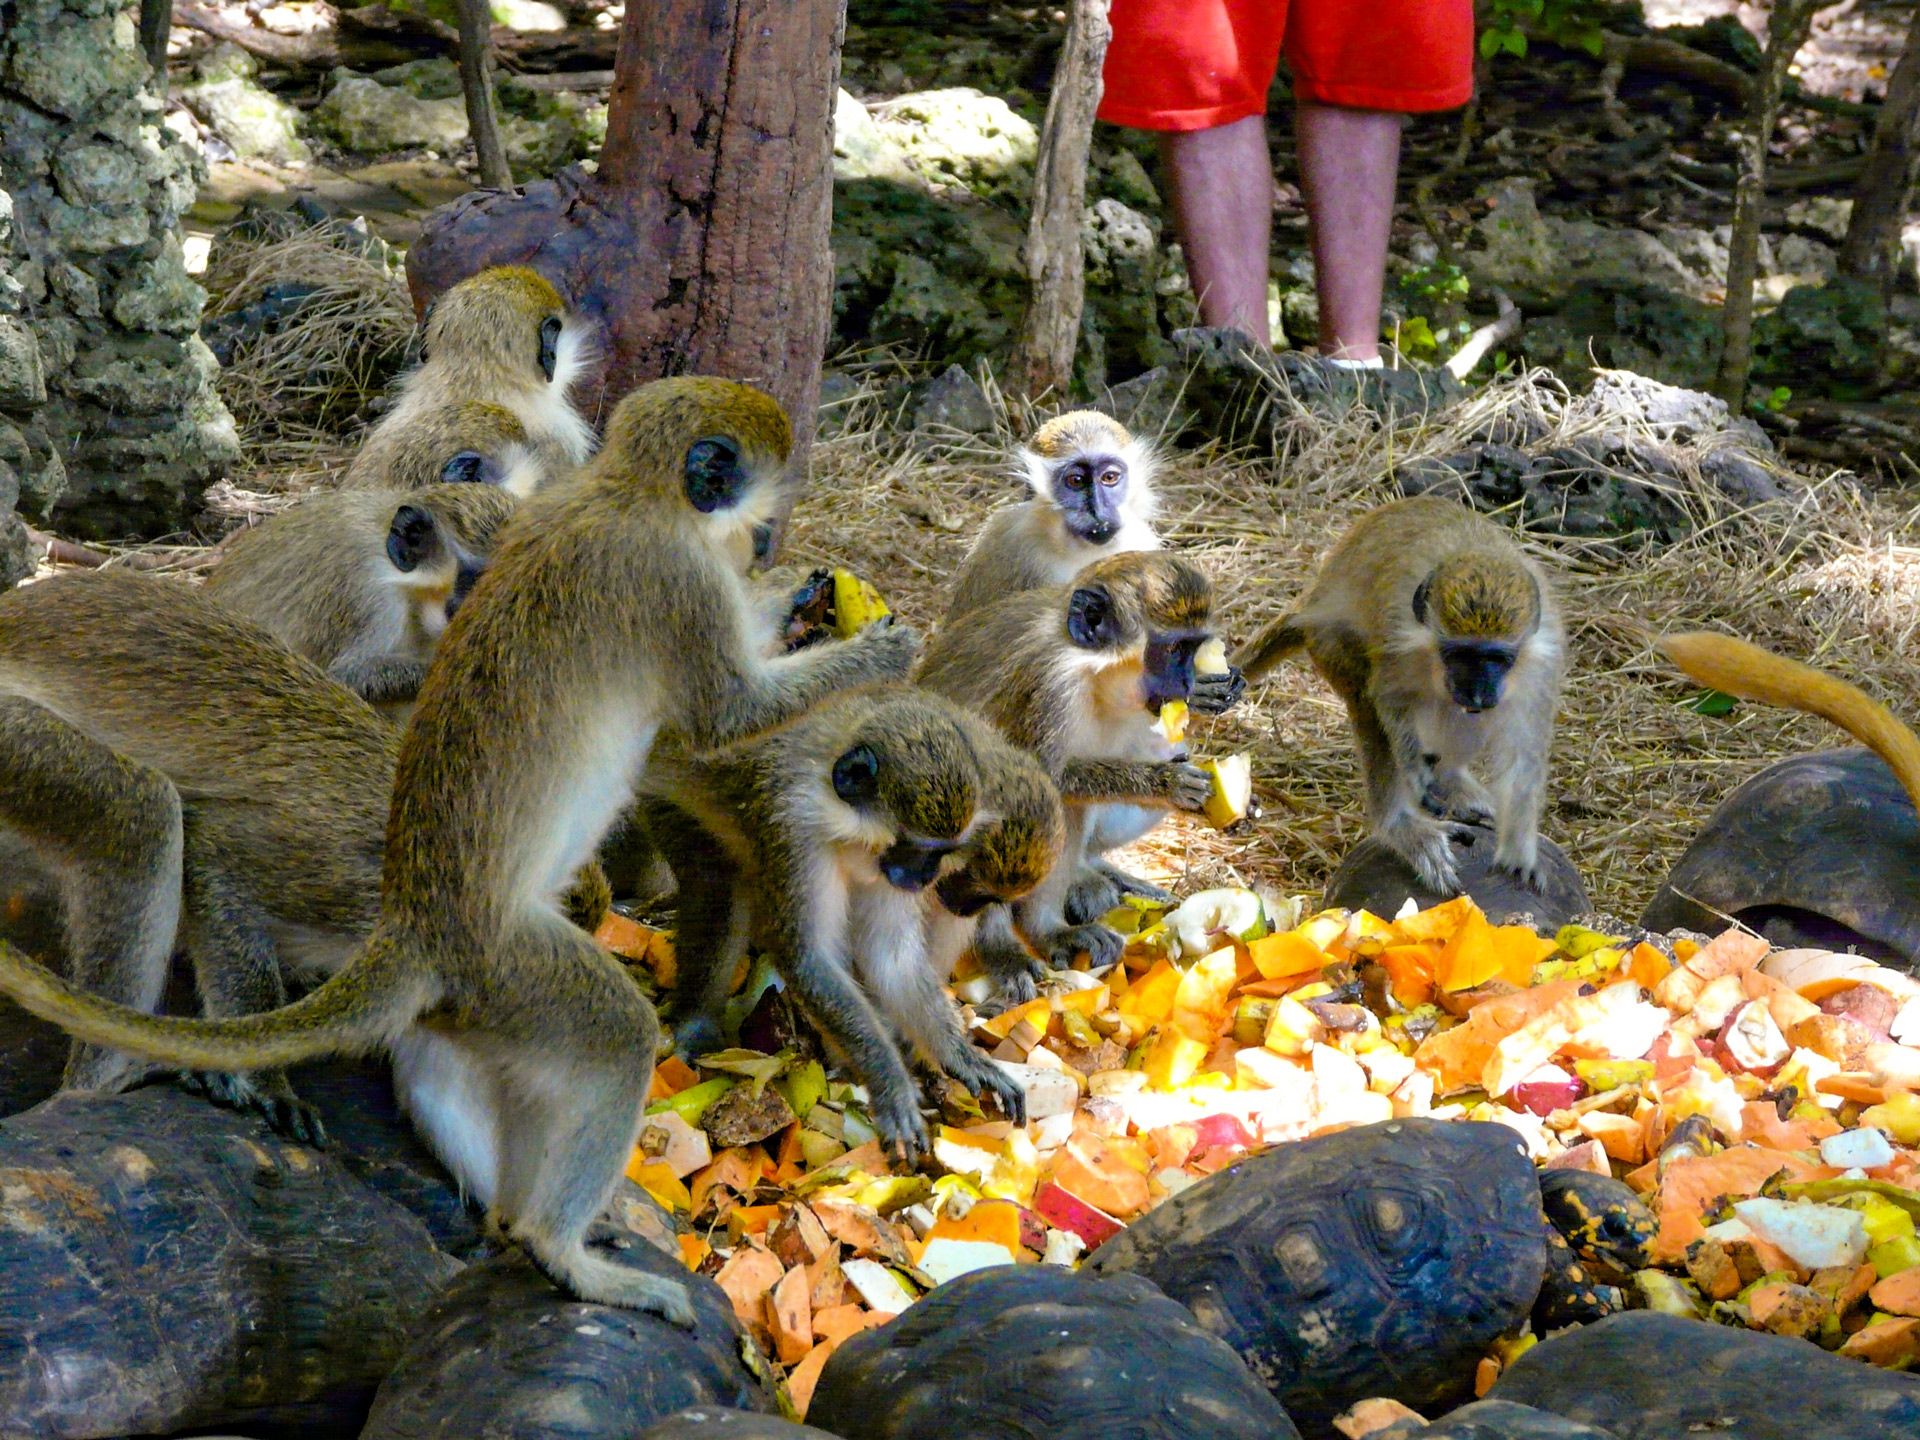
pixel 1822 576
pixel 297 392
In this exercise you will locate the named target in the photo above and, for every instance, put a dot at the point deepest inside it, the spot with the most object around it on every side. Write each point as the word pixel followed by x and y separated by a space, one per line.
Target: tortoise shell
pixel 1375 877
pixel 1821 850
pixel 1378 1261
pixel 1038 1352
pixel 1647 1376
pixel 714 1422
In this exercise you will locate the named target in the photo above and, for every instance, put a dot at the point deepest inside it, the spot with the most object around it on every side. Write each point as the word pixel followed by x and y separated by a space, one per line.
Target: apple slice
pixel 1232 796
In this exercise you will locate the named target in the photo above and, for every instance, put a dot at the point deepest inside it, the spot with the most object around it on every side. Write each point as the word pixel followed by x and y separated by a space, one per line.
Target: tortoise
pixel 1040 1352
pixel 1820 850
pixel 1649 1376
pixel 715 1422
pixel 1382 1260
pixel 501 1354
pixel 1376 877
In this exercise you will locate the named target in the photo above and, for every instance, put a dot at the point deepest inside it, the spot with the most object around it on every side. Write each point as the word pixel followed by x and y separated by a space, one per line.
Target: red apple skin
pixel 1550 1093
pixel 1065 1210
pixel 1868 1006
pixel 1222 1130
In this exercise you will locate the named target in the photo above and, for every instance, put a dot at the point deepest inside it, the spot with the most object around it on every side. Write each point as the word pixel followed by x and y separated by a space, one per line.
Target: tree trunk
pixel 1880 199
pixel 476 82
pixel 700 243
pixel 1056 267
pixel 1787 27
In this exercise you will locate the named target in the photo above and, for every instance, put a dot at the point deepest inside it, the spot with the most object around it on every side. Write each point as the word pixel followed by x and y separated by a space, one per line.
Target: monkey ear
pixel 856 776
pixel 410 539
pixel 1090 618
pixel 1420 600
pixel 549 345
pixel 469 467
pixel 715 477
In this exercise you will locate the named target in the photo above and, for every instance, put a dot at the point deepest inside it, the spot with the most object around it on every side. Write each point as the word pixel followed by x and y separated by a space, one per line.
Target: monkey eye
pixel 714 475
pixel 467 468
pixel 856 776
pixel 549 345
pixel 1113 475
pixel 1076 478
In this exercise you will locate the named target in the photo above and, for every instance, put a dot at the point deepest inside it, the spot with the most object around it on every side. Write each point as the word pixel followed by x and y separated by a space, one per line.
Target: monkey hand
pixel 696 1035
pixel 1100 945
pixel 1217 693
pixel 984 1078
pixel 1187 785
pixel 1427 846
pixel 1439 800
pixel 1092 895
pixel 1523 866
pixel 267 1094
pixel 895 1110
pixel 894 647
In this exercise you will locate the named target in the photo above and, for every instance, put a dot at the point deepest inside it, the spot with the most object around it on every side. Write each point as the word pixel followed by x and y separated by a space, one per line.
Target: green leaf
pixel 1593 40
pixel 1713 703
pixel 1489 44
pixel 1515 43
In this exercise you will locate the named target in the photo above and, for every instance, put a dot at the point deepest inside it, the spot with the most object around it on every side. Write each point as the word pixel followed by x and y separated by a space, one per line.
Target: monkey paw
pixel 1217 694
pixel 895 1110
pixel 984 1078
pixel 695 1035
pixel 895 647
pixel 1100 945
pixel 267 1095
pixel 1438 800
pixel 602 1282
pixel 1188 786
pixel 1427 849
pixel 1527 872
pixel 1091 896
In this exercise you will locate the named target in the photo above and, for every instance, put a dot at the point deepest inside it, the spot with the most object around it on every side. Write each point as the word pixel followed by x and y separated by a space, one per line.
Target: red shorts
pixel 1194 64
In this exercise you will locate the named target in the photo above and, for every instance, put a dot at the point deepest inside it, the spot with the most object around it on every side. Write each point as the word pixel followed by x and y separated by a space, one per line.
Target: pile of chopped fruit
pixel 1766 1104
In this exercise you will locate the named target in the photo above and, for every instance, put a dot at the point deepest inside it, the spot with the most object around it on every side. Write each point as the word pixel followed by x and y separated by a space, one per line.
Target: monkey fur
pixel 499 356
pixel 188 782
pixel 363 582
pixel 612 610
pixel 1093 496
pixel 1075 674
pixel 1445 642
pixel 829 837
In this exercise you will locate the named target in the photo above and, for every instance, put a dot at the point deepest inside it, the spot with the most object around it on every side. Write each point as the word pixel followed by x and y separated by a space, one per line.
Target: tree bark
pixel 1787 27
pixel 1056 261
pixel 1880 199
pixel 700 243
pixel 476 82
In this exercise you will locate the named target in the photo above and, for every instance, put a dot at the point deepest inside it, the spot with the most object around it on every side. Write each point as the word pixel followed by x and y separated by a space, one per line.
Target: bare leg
pixel 1220 182
pixel 1349 161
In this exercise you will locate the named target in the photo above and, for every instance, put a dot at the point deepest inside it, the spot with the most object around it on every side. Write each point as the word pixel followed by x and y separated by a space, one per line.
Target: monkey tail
pixel 1273 644
pixel 1737 668
pixel 356 1011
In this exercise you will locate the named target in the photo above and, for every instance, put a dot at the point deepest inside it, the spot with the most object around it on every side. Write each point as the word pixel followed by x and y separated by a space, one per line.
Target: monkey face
pixel 1476 672
pixel 960 893
pixel 1090 492
pixel 1168 668
pixel 913 862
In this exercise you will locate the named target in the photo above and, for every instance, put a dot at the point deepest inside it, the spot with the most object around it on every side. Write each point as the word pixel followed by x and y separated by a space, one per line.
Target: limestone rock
pixel 861 149
pixel 953 400
pixel 22 384
pixel 227 97
pixel 363 115
pixel 963 139
pixel 1834 331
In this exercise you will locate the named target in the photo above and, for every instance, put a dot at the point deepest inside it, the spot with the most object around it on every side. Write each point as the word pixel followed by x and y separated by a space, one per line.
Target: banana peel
pixel 856 604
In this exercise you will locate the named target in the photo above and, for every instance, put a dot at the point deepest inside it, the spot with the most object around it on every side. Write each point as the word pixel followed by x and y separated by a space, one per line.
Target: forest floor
pixel 1831 575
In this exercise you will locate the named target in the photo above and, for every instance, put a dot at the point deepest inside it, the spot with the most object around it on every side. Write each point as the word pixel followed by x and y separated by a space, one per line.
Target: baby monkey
pixel 828 838
pixel 363 582
pixel 1446 644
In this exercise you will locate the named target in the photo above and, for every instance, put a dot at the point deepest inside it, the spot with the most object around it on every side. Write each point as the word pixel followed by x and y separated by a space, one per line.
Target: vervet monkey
pixel 1736 667
pixel 1446 644
pixel 1093 496
pixel 827 837
pixel 190 783
pixel 499 356
pixel 522 1050
pixel 363 582
pixel 1075 674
